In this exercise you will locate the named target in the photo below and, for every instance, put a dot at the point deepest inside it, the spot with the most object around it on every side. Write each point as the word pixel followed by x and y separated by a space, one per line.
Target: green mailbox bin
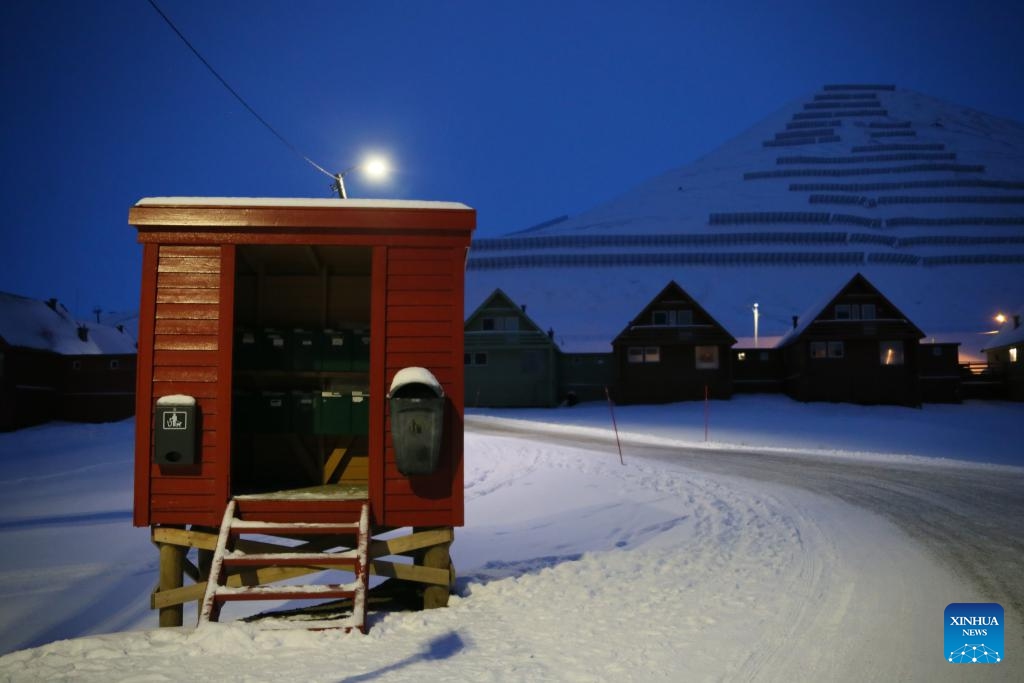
pixel 360 416
pixel 303 409
pixel 335 351
pixel 359 341
pixel 333 413
pixel 304 350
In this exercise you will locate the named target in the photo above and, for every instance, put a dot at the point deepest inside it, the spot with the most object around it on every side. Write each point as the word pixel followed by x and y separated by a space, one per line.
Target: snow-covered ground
pixel 573 567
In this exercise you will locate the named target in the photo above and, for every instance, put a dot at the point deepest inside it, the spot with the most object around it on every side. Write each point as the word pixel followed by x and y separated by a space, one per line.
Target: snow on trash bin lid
pixel 415 375
pixel 176 400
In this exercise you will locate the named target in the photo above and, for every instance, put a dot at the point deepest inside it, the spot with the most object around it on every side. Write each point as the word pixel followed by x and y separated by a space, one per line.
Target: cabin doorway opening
pixel 301 358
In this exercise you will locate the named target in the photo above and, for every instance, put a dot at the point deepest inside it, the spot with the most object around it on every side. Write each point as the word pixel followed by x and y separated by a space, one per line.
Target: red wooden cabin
pixel 286 320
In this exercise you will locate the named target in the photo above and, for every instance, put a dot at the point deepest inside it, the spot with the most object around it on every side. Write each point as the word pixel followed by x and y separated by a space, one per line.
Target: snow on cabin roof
pixel 299 202
pixel 34 324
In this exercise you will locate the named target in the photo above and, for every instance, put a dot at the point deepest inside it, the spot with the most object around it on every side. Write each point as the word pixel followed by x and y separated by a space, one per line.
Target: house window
pixel 76 365
pixel 843 312
pixel 644 354
pixel 764 356
pixel 867 312
pixel 707 357
pixel 672 318
pixel 478 358
pixel 891 353
pixel 741 356
pixel 1013 354
pixel 509 323
pixel 832 349
pixel 114 364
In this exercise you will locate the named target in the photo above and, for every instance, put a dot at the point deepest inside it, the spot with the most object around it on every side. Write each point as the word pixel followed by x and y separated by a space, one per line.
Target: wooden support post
pixel 437 557
pixel 205 560
pixel 172 575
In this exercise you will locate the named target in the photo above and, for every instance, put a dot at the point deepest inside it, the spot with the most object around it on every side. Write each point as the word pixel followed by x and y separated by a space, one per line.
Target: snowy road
pixel 970 518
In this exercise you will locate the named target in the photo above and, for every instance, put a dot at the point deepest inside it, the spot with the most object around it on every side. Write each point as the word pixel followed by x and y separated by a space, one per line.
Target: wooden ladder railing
pixel 227 560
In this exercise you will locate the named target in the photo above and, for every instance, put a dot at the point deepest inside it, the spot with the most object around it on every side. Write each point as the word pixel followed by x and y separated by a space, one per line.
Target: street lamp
pixel 757 314
pixel 374 167
pixel 1000 318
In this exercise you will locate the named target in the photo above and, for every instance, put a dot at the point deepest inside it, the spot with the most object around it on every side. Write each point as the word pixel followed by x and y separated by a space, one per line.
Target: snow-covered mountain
pixel 923 197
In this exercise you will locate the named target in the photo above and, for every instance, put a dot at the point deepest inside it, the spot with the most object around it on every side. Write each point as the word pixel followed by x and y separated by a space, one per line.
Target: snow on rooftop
pixel 303 202
pixel 35 324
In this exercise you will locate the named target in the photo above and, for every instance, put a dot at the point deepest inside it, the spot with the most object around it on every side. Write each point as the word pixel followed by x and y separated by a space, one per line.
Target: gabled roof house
pixel 855 347
pixel 673 350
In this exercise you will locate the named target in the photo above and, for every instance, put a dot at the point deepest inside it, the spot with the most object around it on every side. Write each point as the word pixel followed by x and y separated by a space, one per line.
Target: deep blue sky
pixel 524 110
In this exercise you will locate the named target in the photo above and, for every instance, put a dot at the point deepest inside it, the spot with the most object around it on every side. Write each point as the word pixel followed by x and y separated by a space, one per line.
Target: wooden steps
pixel 253 520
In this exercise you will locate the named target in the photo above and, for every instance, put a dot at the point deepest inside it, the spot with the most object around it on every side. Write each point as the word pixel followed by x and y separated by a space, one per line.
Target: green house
pixel 510 361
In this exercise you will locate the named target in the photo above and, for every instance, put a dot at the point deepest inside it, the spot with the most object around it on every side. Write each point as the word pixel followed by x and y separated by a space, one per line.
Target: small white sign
pixel 174 420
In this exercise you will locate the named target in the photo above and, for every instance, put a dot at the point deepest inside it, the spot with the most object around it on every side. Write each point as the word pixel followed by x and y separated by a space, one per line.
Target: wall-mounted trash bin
pixel 417 420
pixel 176 432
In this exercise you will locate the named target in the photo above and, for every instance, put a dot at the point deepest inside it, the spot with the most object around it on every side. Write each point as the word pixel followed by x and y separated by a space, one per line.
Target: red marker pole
pixel 707 409
pixel 615 426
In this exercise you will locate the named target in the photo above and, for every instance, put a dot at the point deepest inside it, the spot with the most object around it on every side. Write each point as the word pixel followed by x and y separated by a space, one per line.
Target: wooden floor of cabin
pixel 345 491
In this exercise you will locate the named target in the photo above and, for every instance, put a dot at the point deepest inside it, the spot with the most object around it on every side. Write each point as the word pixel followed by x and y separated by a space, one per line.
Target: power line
pixel 239 97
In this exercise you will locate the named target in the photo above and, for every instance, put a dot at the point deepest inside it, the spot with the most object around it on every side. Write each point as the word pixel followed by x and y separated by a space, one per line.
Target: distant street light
pixel 1000 318
pixel 757 314
pixel 374 167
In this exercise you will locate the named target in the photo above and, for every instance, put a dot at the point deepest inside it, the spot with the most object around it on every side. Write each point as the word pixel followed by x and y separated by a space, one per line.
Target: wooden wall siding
pixel 424 328
pixel 185 360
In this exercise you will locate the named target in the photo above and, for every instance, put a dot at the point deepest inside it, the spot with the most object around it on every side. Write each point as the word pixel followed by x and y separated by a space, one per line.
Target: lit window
pixel 836 349
pixel 741 356
pixel 842 311
pixel 1013 354
pixel 644 354
pixel 819 349
pixel 891 353
pixel 707 357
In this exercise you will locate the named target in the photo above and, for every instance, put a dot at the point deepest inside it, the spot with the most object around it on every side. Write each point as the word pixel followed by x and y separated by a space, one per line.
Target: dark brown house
pixel 673 350
pixel 857 348
pixel 53 367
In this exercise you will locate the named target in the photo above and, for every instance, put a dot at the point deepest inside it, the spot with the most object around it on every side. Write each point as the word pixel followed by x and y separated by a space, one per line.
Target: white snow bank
pixel 577 568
